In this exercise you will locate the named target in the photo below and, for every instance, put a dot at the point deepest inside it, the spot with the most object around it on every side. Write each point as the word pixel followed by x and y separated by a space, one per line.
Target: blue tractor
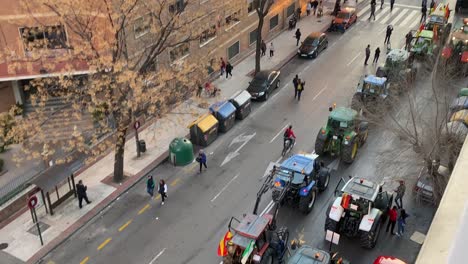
pixel 298 180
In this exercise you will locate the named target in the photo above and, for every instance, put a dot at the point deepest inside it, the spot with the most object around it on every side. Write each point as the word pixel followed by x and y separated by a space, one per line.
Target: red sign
pixel 32 202
pixel 136 125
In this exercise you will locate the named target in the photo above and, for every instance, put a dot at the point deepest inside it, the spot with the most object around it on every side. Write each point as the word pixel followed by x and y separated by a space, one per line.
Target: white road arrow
pixel 334 165
pixel 238 139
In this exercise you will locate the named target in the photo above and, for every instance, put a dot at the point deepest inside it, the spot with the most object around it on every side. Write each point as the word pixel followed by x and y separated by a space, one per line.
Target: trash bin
pixel 225 112
pixel 181 151
pixel 142 146
pixel 461 116
pixel 463 92
pixel 459 103
pixel 242 104
pixel 204 130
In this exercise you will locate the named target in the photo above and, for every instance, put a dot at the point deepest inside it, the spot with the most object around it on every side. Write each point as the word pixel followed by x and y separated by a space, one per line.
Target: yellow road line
pixel 84 260
pixel 125 225
pixel 173 183
pixel 189 167
pixel 142 210
pixel 157 197
pixel 104 243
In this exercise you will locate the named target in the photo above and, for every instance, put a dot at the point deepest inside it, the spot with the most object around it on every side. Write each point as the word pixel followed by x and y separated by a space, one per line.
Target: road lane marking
pixel 103 244
pixel 385 19
pixel 174 183
pixel 84 260
pixel 364 10
pixel 315 97
pixel 125 225
pixel 267 208
pixel 278 160
pixel 189 167
pixel 157 197
pixel 409 18
pixel 381 13
pixel 411 6
pixel 414 24
pixel 142 210
pixel 349 63
pixel 224 188
pixel 157 256
pixel 396 19
pixel 279 133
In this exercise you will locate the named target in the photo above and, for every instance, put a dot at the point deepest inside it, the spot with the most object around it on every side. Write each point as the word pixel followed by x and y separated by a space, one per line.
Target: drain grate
pixel 42 226
pixel 3 246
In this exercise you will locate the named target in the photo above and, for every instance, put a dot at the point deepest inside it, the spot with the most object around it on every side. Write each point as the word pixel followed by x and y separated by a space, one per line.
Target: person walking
pixel 372 9
pixel 272 50
pixel 367 54
pixel 308 8
pixel 392 218
pixel 320 9
pixel 392 2
pixel 150 185
pixel 423 13
pixel 432 5
pixel 300 88
pixel 162 190
pixel 388 34
pixel 381 4
pixel 315 4
pixel 81 192
pixel 295 83
pixel 222 66
pixel 199 89
pixel 376 55
pixel 263 48
pixel 409 38
pixel 229 69
pixel 202 159
pixel 298 36
pixel 402 222
pixel 400 191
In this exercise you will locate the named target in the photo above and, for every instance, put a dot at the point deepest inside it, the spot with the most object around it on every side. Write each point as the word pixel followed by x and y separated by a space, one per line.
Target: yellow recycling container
pixel 204 130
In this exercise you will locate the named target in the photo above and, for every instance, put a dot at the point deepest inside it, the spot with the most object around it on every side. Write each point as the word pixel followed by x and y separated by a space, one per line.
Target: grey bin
pixel 142 146
pixel 242 103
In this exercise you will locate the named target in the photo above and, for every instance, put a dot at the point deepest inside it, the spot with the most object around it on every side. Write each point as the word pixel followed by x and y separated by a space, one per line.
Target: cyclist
pixel 289 135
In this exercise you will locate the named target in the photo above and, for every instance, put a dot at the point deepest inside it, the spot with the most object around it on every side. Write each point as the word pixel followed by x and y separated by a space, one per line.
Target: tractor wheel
pixel 275 195
pixel 369 239
pixel 348 152
pixel 356 102
pixel 331 225
pixel 319 144
pixel 364 136
pixel 267 257
pixel 324 181
pixel 381 72
pixel 306 203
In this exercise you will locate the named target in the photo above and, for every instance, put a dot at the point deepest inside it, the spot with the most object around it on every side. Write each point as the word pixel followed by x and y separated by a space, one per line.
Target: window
pixel 208 35
pixel 141 27
pixel 290 10
pixel 274 22
pixel 252 5
pixel 253 36
pixel 48 37
pixel 178 6
pixel 233 18
pixel 233 50
pixel 179 52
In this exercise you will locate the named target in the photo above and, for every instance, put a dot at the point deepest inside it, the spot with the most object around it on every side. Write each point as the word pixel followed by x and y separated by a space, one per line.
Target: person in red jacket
pixel 392 218
pixel 289 135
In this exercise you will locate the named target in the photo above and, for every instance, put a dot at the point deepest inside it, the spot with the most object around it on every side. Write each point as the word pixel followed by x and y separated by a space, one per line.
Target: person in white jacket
pixel 162 189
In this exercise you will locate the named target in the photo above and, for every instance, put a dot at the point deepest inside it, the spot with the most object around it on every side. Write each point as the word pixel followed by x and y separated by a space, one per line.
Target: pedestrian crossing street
pixel 400 16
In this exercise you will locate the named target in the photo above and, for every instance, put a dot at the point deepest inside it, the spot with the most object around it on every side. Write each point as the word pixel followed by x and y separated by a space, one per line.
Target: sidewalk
pixel 68 218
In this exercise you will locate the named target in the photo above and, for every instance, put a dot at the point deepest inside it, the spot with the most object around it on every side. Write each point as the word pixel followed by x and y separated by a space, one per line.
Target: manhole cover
pixel 42 226
pixel 3 246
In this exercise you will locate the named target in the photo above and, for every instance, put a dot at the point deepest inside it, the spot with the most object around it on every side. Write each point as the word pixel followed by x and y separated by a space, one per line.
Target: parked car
pixel 388 260
pixel 315 43
pixel 424 187
pixel 263 84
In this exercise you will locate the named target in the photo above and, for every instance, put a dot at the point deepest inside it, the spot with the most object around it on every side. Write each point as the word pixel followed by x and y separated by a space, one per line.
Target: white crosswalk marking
pixel 385 19
pixel 411 16
pixel 364 10
pixel 382 12
pixel 397 18
pixel 415 23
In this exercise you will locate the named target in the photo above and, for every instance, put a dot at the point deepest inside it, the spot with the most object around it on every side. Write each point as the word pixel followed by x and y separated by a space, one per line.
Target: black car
pixel 263 84
pixel 314 44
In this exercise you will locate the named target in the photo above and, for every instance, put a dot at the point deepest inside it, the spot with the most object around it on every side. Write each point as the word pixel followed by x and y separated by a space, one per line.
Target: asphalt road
pixel 187 229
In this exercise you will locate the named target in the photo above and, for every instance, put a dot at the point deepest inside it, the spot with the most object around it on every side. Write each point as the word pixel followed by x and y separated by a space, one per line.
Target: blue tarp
pixel 224 109
pixel 298 163
pixel 379 81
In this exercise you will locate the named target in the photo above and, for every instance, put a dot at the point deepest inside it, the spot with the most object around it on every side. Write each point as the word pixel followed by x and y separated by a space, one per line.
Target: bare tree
pixel 262 7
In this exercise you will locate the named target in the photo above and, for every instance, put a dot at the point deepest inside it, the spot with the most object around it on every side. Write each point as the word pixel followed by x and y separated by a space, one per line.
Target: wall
pixel 7 97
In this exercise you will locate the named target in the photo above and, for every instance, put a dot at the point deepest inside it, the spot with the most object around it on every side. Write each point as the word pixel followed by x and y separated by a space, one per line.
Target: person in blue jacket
pixel 202 159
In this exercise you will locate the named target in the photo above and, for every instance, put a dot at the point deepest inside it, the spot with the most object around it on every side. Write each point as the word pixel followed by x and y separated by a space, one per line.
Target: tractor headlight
pixel 335 137
pixel 346 142
pixel 261 93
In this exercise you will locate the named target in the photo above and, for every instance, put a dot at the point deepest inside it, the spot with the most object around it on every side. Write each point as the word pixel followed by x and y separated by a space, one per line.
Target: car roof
pixel 343 114
pixel 388 260
pixel 308 255
pixel 300 163
pixel 426 34
pixel 398 55
pixel 315 34
pixel 362 188
pixel 372 79
pixel 263 74
pixel 348 10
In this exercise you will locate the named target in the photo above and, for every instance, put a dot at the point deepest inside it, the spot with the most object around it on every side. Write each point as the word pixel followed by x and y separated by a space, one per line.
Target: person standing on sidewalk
pixel 81 192
pixel 263 48
pixel 392 218
pixel 409 38
pixel 400 191
pixel 272 50
pixel 320 9
pixel 300 88
pixel 314 4
pixel 372 9
pixel 150 185
pixel 308 8
pixel 202 159
pixel 298 36
pixel 229 69
pixel 376 55
pixel 402 222
pixel 162 190
pixel 392 2
pixel 423 13
pixel 367 54
pixel 295 83
pixel 388 34
pixel 222 66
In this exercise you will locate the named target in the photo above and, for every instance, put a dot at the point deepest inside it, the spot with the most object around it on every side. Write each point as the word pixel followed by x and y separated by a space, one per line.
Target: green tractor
pixel 343 134
pixel 398 68
pixel 423 45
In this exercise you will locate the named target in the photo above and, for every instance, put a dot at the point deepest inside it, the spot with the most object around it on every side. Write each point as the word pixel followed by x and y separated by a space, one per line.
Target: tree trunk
pixel 119 154
pixel 259 43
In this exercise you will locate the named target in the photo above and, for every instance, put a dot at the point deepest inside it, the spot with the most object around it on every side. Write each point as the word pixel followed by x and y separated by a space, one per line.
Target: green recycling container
pixel 181 152
pixel 463 92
